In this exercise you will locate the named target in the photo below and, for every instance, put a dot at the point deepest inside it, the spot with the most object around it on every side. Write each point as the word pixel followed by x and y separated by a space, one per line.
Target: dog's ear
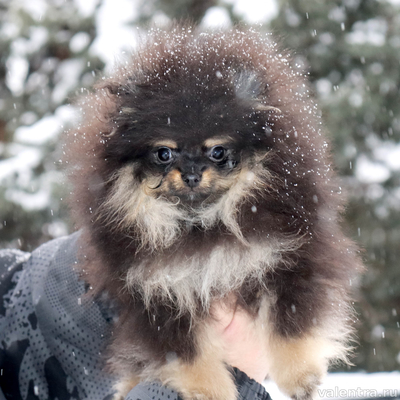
pixel 250 88
pixel 115 96
pixel 119 87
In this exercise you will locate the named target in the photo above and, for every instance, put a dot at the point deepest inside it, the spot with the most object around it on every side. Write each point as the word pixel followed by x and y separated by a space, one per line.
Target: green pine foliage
pixel 351 50
pixel 36 43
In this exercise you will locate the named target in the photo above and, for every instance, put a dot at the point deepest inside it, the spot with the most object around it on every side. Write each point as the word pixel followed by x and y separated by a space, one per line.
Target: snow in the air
pixel 115 36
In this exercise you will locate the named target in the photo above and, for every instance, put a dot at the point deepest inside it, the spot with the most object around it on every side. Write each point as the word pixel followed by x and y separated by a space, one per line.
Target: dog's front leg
pixel 206 377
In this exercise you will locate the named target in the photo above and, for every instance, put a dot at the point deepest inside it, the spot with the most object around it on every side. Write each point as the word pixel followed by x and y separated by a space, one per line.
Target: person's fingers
pixel 243 339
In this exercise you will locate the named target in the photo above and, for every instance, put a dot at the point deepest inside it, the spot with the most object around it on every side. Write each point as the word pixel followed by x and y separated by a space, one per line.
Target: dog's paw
pixel 201 381
pixel 298 366
pixel 301 385
pixel 306 388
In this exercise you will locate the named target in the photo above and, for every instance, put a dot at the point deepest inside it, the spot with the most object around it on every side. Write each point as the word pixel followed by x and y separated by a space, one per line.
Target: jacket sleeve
pixel 11 264
pixel 51 334
pixel 248 389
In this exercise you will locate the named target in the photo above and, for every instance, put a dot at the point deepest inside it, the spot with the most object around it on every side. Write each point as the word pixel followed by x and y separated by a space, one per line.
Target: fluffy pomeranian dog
pixel 201 175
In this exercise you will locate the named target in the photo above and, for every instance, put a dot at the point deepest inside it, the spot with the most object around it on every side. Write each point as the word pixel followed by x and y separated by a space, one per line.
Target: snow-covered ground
pixel 356 385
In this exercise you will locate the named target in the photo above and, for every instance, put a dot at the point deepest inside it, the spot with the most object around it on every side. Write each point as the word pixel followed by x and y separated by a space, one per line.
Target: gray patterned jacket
pixel 52 336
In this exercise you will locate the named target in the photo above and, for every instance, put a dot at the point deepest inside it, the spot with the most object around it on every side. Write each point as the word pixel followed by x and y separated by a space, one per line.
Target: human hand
pixel 244 340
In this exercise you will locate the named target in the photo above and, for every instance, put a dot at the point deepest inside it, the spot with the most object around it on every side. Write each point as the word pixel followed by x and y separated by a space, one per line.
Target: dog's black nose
pixel 191 179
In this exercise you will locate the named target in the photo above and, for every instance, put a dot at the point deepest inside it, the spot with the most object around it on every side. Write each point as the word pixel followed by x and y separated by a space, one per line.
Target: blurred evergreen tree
pixel 351 50
pixel 44 59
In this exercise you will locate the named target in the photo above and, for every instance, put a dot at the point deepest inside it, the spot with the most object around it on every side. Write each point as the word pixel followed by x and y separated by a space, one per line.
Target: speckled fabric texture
pixel 152 391
pixel 52 336
pixel 248 389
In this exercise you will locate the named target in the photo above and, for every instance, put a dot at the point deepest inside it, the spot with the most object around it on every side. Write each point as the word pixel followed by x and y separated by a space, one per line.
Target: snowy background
pixel 51 49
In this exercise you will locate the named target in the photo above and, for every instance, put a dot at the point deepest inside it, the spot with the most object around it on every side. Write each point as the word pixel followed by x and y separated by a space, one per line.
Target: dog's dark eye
pixel 217 153
pixel 164 154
